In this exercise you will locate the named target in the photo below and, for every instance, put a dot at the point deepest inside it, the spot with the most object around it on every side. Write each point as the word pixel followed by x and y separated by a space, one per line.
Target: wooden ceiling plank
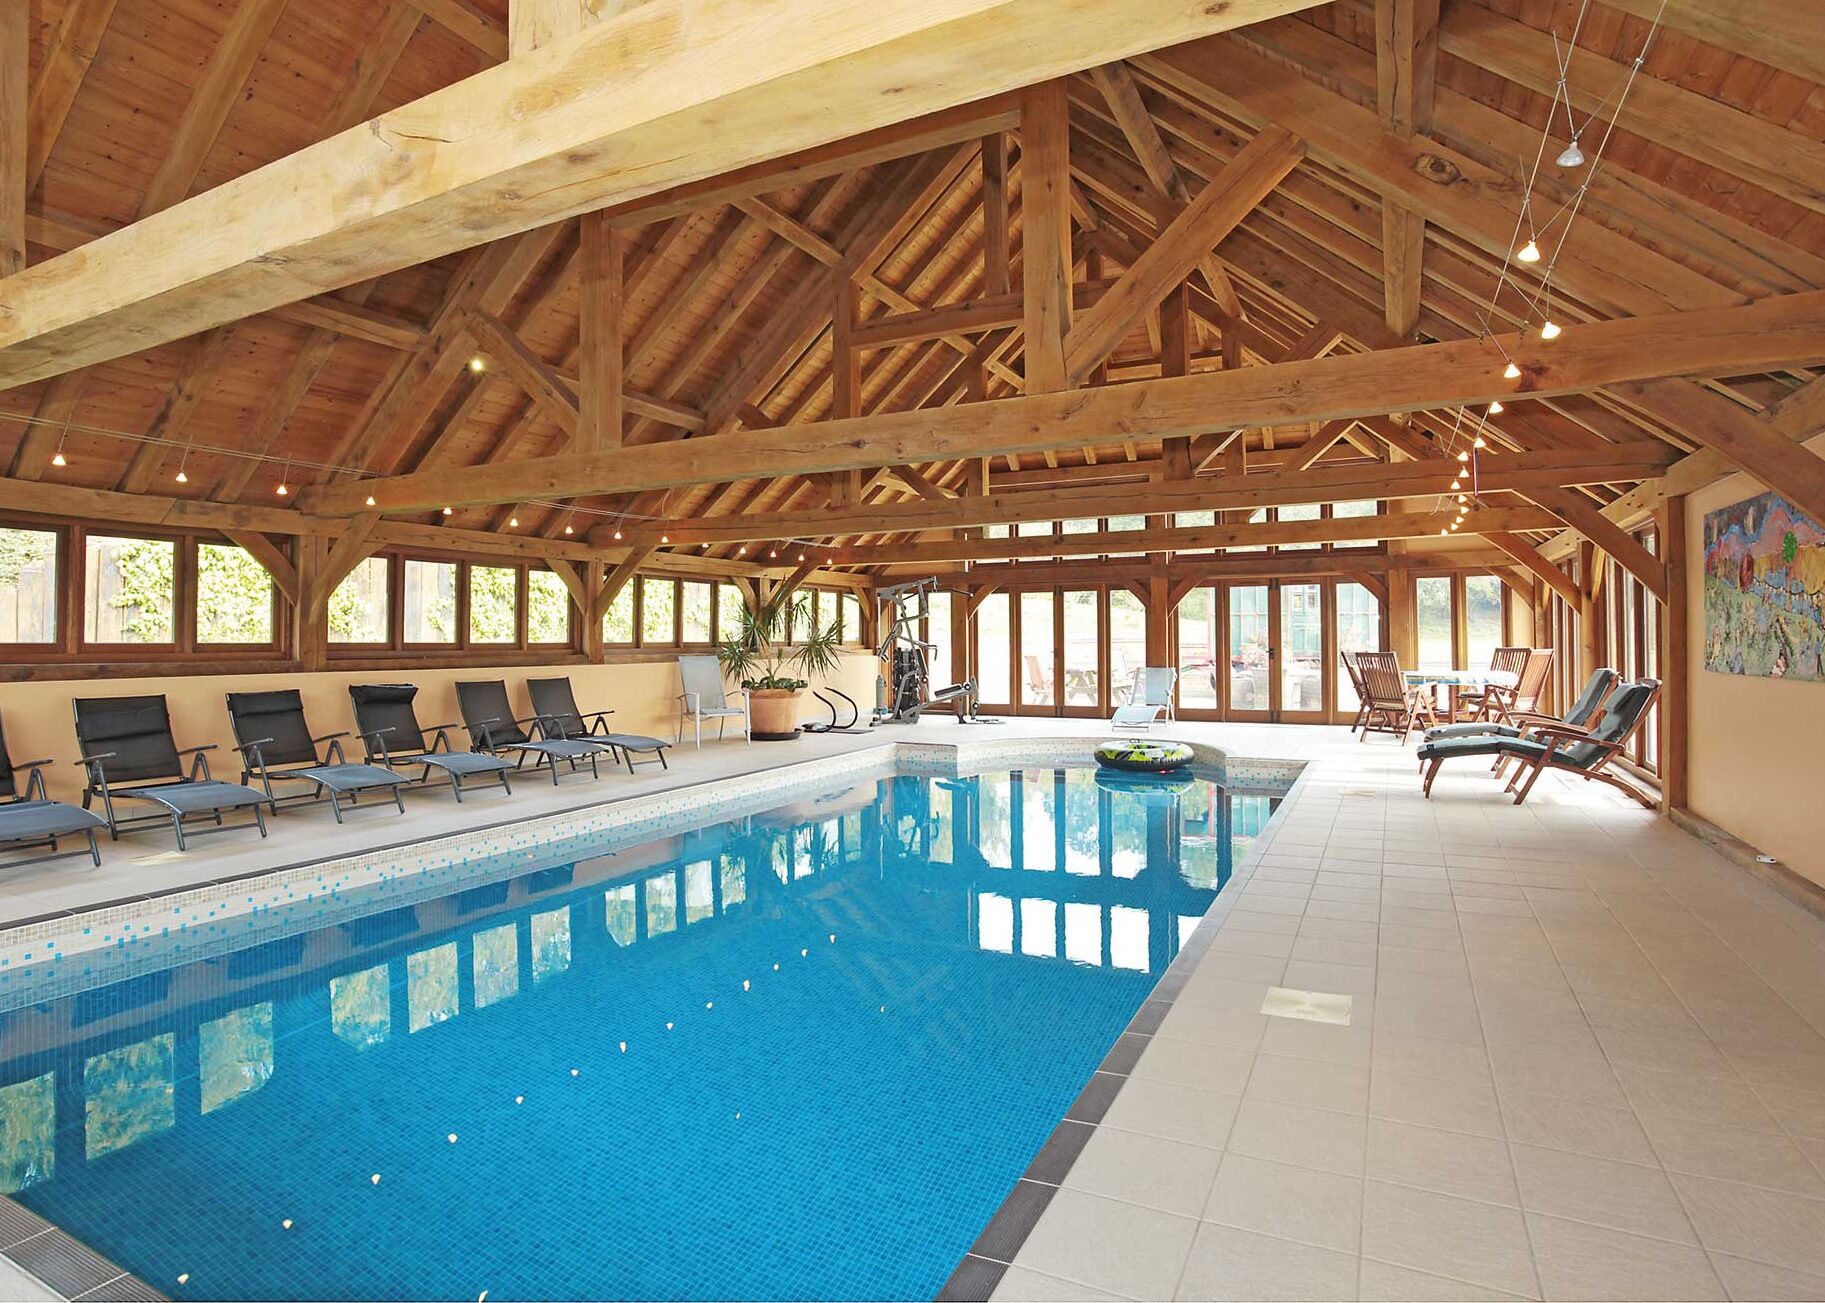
pixel 463 19
pixel 15 162
pixel 1045 219
pixel 601 313
pixel 66 62
pixel 1783 162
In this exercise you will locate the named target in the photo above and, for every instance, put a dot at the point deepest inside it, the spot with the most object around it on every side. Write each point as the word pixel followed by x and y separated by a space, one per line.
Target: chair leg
pixel 259 819
pixel 177 828
pixel 398 797
pixel 1538 769
pixel 1431 773
pixel 455 785
pixel 509 786
pixel 335 804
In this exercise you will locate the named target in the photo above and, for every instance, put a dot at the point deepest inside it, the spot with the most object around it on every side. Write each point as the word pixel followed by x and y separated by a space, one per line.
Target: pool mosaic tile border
pixel 75 1271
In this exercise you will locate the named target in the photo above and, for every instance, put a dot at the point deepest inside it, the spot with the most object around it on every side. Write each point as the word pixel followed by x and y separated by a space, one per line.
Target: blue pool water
pixel 801 1054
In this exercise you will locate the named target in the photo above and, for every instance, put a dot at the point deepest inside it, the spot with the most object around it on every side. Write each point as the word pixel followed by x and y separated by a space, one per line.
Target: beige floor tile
pixel 1421 938
pixel 1019 1285
pixel 1326 950
pixel 1108 1245
pixel 1340 1087
pixel 1684 1055
pixel 1339 929
pixel 1622 1196
pixel 1623 1013
pixel 1158 1108
pixel 1294 1203
pixel 1422 1016
pixel 1354 911
pixel 1268 902
pixel 1253 920
pixel 1802 1112
pixel 1303 1137
pixel 1461 1239
pixel 1169 1175
pixel 1448 1061
pixel 1228 1263
pixel 1232 941
pixel 1188 1063
pixel 1596 1130
pixel 1316 975
pixel 1423 1100
pixel 1764 1283
pixel 1579 1262
pixel 1215 990
pixel 1241 968
pixel 1229 1028
pixel 1586 1078
pixel 1765 1225
pixel 1325 1042
pixel 1449 1162
pixel 1731 1154
pixel 1391 1284
pixel 1428 988
pixel 1703 1099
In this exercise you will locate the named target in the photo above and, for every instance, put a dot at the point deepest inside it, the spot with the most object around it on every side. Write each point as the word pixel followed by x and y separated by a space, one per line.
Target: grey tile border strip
pixel 62 1262
pixel 975 1278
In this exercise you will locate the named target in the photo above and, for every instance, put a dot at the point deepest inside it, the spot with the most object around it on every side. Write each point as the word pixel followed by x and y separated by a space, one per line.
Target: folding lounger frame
pixel 555 704
pixel 377 701
pixel 39 821
pixel 497 731
pixel 289 752
pixel 150 753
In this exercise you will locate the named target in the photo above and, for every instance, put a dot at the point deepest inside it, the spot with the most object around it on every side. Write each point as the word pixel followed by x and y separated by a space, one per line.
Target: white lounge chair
pixel 1150 695
pixel 703 698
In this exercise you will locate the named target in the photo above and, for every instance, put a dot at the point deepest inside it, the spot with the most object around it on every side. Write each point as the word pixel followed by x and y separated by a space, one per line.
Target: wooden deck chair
pixel 1389 705
pixel 1485 702
pixel 1362 700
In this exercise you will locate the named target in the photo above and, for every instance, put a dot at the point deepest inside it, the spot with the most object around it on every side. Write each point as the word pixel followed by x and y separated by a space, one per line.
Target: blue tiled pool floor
pixel 800 1055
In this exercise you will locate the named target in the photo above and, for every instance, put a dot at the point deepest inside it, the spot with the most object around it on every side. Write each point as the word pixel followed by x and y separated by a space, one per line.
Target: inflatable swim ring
pixel 1143 757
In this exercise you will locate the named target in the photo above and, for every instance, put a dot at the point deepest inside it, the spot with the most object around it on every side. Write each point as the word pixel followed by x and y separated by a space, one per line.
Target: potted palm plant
pixel 758 656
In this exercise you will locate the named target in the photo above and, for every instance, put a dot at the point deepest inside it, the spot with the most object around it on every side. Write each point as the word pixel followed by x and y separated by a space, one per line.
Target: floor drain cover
pixel 1310 1006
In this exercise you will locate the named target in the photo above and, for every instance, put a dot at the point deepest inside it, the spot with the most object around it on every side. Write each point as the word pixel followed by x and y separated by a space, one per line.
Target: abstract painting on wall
pixel 1764 590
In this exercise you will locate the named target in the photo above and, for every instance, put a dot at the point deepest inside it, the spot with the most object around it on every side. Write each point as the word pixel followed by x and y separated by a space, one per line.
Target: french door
pixel 1263 651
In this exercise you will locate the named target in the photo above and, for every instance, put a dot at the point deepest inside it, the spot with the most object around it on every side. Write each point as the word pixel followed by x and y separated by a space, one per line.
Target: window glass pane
pixel 358 607
pixel 658 611
pixel 1036 647
pixel 233 596
pixel 129 1094
pixel 1126 524
pixel 661 904
pixel 361 1010
pixel 130 587
pixel 430 601
pixel 696 601
pixel 829 611
pixel 992 649
pixel 1127 637
pixel 1082 662
pixel 995 531
pixel 699 891
pixel 550 943
pixel 1354 511
pixel 1433 597
pixel 1304 511
pixel 618 620
pixel 1198 649
pixel 28 588
pixel 1195 520
pixel 494 599
pixel 235 1052
pixel 938 668
pixel 1483 617
pixel 1248 647
pixel 729 606
pixel 852 618
pixel 547 608
pixel 1085 526
pixel 431 986
pixel 1301 647
pixel 623 918
pixel 28 1122
pixel 1358 629
pixel 496 965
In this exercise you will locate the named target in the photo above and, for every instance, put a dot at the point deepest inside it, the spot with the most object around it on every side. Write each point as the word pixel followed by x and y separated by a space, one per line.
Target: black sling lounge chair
pixel 1584 752
pixel 28 818
pixel 492 728
pixel 555 705
pixel 276 745
pixel 129 753
pixel 390 736
pixel 1596 691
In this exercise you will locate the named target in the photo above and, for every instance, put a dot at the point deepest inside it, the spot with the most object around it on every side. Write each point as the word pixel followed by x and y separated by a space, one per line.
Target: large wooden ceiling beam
pixel 1218 209
pixel 1354 529
pixel 1406 64
pixel 1045 215
pixel 15 59
pixel 1772 333
pixel 639 102
pixel 1529 556
pixel 1582 514
pixel 1001 506
pixel 601 310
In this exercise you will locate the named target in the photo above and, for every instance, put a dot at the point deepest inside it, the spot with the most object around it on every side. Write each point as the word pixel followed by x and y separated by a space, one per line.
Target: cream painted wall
pixel 642 694
pixel 1755 767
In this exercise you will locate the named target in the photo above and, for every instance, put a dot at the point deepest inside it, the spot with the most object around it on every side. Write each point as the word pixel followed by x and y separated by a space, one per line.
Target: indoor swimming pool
pixel 802 1053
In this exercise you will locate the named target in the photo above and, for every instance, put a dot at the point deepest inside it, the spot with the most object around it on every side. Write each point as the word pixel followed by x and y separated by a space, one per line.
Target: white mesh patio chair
pixel 1150 696
pixel 703 698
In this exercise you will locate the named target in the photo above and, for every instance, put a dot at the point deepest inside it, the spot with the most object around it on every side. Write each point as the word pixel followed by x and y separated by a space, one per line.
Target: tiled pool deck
pixel 1584 1059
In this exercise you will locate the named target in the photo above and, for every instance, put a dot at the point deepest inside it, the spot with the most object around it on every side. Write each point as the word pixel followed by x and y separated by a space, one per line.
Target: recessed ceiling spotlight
pixel 476 364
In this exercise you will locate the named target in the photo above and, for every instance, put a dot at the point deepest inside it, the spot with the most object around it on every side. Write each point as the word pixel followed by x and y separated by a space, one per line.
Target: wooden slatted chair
pixel 1362 701
pixel 1389 705
pixel 1485 703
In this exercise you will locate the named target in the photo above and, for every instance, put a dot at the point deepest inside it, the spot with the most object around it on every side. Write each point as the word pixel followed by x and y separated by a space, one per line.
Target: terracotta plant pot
pixel 774 713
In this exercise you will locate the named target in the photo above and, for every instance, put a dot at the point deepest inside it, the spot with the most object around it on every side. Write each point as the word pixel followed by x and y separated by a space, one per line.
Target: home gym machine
pixel 904 691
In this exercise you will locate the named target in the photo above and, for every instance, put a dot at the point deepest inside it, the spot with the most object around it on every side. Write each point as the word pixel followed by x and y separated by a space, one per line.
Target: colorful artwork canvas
pixel 1764 590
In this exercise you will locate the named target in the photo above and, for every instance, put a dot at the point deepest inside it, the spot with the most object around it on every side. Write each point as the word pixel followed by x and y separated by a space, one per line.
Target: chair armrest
pixel 98 757
pixel 190 751
pixel 252 746
pixel 444 728
pixel 441 737
pixel 34 785
pixel 33 764
pixel 690 700
pixel 593 714
pixel 370 737
pixel 330 737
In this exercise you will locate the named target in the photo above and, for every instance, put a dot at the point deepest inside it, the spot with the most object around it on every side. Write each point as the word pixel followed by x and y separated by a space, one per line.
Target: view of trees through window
pixel 28 586
pixel 234 596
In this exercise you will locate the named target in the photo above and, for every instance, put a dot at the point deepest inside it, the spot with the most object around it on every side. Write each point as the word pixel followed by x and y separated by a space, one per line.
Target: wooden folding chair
pixel 1389 705
pixel 1362 703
